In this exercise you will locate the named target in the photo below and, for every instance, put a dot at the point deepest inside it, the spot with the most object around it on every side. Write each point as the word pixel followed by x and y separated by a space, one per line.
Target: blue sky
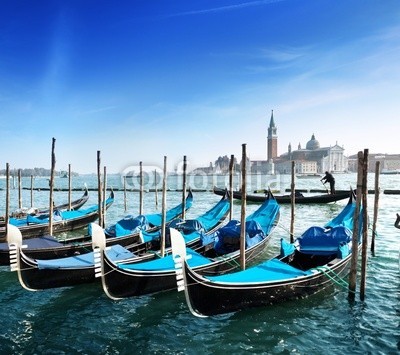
pixel 143 79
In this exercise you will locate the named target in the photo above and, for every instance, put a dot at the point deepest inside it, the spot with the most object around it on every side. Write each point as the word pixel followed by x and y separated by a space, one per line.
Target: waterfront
pixel 83 320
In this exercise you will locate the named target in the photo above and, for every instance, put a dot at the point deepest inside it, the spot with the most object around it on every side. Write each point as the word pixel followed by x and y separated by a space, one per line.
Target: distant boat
pixel 299 198
pixel 390 171
pixel 308 176
pixel 63 221
pixel 23 212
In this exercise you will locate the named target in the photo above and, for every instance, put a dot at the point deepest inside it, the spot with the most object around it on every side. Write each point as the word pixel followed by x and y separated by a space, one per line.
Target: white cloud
pixel 227 8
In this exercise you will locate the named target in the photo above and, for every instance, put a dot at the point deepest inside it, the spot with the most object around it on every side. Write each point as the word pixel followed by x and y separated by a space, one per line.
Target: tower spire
pixel 272 141
pixel 272 122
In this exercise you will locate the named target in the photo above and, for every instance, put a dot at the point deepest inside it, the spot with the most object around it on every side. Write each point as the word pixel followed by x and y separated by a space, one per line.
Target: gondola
pixel 314 261
pixel 299 198
pixel 218 253
pixel 37 274
pixel 63 221
pixel 125 232
pixel 73 206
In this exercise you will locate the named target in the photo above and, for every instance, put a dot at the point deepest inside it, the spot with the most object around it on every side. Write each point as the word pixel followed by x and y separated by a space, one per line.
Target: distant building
pixel 261 167
pixel 208 170
pixel 388 163
pixel 301 167
pixel 311 160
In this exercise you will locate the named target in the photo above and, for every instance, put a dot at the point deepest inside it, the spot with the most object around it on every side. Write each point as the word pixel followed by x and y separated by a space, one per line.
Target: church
pixel 313 159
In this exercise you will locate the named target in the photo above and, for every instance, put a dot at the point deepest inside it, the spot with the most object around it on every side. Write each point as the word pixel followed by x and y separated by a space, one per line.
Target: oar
pixel 324 186
pixel 397 222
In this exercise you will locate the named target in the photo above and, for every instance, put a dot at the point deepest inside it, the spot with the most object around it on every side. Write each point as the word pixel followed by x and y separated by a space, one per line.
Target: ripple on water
pixel 45 322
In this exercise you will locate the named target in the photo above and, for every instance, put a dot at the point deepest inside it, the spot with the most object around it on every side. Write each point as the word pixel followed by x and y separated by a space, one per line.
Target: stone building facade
pixel 313 159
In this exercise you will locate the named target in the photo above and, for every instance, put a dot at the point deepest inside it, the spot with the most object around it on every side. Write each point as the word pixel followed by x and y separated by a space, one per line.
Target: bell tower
pixel 272 140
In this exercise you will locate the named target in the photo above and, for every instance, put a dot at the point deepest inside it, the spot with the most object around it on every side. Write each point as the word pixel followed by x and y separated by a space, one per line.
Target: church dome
pixel 312 144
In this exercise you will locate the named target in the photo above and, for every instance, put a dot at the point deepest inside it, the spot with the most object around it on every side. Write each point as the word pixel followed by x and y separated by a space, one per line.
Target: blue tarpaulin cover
pixel 35 243
pixel 286 248
pixel 227 239
pixel 156 218
pixel 192 229
pixel 263 220
pixel 345 218
pixel 208 220
pixel 126 226
pixel 57 215
pixel 187 226
pixel 320 241
pixel 271 270
pixel 264 217
pixel 167 262
pixel 116 252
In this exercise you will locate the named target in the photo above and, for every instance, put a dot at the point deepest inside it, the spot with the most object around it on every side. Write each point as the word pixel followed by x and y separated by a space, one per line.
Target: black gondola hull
pixel 70 248
pixel 39 279
pixel 122 283
pixel 81 245
pixel 35 278
pixel 36 230
pixel 211 299
pixel 75 205
pixel 325 198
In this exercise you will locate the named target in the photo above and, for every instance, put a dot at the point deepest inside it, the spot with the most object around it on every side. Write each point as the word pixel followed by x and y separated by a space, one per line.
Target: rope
pixel 232 261
pixel 112 270
pixel 375 233
pixel 286 230
pixel 335 278
pixel 158 254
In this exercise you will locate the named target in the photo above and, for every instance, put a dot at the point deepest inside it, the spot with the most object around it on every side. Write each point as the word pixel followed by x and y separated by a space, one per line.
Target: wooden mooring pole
pixel 7 216
pixel 364 247
pixel 19 189
pixel 164 207
pixel 69 187
pixel 51 203
pixel 141 188
pixel 99 188
pixel 243 212
pixel 103 210
pixel 184 188
pixel 292 203
pixel 125 193
pixel 13 179
pixel 354 254
pixel 155 187
pixel 376 206
pixel 231 187
pixel 31 190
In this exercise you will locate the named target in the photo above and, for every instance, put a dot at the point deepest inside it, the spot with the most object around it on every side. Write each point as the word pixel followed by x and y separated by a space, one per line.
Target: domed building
pixel 314 159
pixel 312 144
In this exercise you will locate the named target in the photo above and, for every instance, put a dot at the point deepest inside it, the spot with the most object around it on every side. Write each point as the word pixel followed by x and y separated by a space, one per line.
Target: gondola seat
pixel 320 241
